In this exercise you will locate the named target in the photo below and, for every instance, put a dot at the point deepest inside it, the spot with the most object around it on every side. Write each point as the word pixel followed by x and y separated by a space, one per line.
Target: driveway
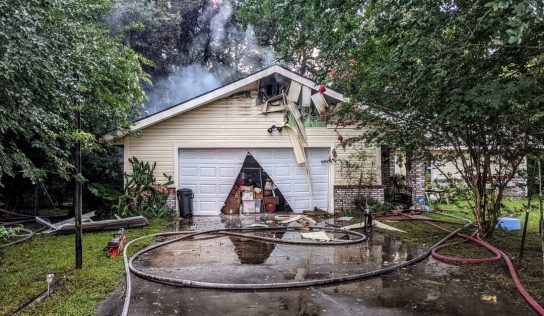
pixel 427 288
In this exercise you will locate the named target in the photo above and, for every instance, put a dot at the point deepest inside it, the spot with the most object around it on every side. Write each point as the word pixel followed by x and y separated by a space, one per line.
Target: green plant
pixel 458 190
pixel 455 81
pixel 360 204
pixel 44 44
pixel 399 179
pixel 6 232
pixel 142 194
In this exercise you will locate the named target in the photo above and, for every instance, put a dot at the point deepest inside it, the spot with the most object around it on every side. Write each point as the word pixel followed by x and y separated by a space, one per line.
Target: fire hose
pixel 129 266
pixel 22 237
pixel 498 256
pixel 129 263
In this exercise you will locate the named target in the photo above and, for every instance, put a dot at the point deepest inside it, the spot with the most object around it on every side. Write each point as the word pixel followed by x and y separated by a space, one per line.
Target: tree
pixel 177 34
pixel 466 76
pixel 42 45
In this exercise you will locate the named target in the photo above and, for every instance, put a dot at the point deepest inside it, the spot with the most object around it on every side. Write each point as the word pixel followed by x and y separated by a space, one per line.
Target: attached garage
pixel 210 173
pixel 202 143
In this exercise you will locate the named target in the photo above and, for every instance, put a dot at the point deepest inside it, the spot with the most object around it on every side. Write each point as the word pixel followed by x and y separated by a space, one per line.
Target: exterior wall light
pixel 274 128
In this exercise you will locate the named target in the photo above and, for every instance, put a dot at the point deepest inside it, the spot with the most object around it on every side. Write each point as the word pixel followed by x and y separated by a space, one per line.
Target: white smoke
pixel 219 21
pixel 194 80
pixel 182 85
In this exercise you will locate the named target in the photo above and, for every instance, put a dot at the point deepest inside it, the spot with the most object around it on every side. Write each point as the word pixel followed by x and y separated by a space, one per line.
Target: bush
pixel 456 190
pixel 142 194
pixel 361 202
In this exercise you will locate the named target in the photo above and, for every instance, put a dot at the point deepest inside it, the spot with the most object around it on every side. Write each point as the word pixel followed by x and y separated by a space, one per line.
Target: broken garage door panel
pixel 320 102
pixel 294 91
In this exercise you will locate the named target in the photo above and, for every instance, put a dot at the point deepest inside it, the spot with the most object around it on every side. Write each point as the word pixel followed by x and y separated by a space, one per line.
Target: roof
pixel 222 92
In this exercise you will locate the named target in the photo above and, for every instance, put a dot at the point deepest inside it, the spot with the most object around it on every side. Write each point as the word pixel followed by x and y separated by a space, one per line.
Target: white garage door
pixel 210 173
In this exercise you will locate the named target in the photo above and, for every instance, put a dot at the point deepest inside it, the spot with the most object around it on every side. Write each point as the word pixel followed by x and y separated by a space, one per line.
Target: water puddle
pixel 427 288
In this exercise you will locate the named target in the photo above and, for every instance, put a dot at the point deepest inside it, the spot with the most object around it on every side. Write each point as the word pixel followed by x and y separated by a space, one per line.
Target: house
pixel 203 143
pixel 442 171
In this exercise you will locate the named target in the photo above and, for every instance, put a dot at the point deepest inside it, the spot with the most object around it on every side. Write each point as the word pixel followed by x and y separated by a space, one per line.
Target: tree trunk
pixel 478 210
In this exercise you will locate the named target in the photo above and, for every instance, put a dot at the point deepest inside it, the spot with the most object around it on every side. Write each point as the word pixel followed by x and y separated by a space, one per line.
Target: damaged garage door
pixel 210 173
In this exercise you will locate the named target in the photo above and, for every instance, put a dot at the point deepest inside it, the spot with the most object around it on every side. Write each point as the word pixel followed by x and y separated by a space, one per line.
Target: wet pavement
pixel 427 288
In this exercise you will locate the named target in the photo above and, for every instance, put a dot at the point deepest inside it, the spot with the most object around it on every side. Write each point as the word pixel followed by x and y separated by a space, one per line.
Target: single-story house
pixel 441 172
pixel 273 115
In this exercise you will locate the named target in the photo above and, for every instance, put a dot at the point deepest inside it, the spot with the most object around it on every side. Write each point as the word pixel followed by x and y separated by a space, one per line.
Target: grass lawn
pixel 23 268
pixel 530 270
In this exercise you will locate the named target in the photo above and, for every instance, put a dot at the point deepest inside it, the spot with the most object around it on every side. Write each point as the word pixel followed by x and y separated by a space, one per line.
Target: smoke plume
pixel 222 54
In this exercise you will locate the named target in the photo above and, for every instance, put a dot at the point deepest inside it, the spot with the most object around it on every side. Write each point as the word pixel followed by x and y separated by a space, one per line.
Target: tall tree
pixel 175 34
pixel 42 45
pixel 466 76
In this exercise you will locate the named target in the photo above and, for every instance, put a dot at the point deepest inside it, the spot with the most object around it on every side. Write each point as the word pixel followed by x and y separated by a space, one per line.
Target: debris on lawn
pixel 489 298
pixel 376 223
pixel 19 233
pixel 289 219
pixel 317 213
pixel 89 225
pixel 320 235
pixel 301 219
pixel 87 217
pixel 258 225
pixel 387 227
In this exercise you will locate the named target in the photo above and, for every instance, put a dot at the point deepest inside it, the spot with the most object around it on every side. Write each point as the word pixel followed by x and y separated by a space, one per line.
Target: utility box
pixel 185 202
pixel 509 223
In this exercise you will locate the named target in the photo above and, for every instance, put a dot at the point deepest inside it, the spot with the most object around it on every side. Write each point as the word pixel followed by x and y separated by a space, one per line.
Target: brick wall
pixel 417 179
pixel 344 195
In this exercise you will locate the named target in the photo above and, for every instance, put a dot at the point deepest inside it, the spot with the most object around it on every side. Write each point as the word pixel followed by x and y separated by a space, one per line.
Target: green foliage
pixel 457 191
pixel 23 268
pixel 142 194
pixel 361 202
pixel 424 74
pixel 6 232
pixel 43 44
pixel 302 32
pixel 175 34
pixel 399 179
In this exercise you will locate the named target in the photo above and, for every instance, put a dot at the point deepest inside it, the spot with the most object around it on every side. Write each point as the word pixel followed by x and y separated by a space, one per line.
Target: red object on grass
pixel 117 244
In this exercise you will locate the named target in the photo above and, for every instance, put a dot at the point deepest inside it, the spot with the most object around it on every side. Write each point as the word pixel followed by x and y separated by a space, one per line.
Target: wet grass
pixel 23 268
pixel 530 270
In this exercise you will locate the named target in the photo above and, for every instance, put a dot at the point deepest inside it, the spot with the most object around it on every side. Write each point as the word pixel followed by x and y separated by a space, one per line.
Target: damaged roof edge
pixel 218 93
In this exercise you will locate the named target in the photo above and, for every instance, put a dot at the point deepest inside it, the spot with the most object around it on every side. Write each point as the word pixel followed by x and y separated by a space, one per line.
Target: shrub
pixel 361 202
pixel 142 194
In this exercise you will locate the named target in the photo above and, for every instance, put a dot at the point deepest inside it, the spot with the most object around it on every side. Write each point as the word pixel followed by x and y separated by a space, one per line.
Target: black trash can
pixel 185 202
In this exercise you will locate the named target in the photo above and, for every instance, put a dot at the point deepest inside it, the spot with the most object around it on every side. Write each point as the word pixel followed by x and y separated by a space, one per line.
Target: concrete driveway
pixel 428 288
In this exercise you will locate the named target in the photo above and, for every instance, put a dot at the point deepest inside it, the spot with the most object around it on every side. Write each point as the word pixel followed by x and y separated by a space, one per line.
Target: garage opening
pixel 254 191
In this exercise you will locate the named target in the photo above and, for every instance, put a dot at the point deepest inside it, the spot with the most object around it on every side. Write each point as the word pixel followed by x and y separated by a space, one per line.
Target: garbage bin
pixel 185 202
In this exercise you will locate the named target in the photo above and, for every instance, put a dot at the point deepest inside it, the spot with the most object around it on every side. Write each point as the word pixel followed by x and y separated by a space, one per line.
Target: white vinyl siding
pixel 233 122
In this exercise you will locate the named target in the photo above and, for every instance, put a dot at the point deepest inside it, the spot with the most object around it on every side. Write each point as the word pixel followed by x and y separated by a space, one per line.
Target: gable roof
pixel 222 92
